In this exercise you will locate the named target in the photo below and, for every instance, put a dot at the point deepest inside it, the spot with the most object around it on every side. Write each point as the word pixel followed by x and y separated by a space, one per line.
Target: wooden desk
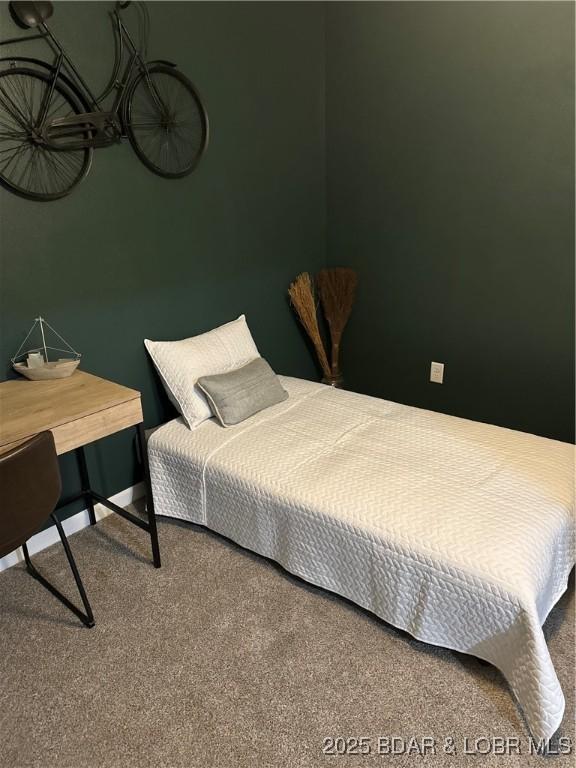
pixel 77 410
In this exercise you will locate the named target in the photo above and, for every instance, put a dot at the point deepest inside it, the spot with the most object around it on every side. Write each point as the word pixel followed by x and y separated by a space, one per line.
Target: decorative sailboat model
pixel 35 362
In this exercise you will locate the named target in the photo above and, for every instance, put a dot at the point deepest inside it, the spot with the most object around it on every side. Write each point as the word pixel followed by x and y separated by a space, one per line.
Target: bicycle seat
pixel 29 14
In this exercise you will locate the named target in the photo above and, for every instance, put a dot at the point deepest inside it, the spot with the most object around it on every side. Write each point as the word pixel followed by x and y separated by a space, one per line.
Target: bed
pixel 458 532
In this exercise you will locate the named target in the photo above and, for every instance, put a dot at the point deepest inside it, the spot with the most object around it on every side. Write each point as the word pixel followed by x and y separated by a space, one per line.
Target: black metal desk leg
pixel 86 484
pixel 149 500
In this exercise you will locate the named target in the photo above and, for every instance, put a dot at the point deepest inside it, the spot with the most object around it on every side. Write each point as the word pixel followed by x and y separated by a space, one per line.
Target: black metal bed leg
pixel 83 467
pixel 86 617
pixel 149 500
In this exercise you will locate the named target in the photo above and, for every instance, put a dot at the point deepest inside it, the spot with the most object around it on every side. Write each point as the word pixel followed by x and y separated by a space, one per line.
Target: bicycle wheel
pixel 166 122
pixel 27 167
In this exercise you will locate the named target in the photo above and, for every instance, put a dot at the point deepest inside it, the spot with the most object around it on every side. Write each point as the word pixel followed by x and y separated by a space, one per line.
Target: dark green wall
pixel 448 130
pixel 129 255
pixel 450 189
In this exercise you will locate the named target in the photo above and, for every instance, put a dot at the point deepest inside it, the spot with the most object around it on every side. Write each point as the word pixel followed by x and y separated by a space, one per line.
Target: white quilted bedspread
pixel 458 532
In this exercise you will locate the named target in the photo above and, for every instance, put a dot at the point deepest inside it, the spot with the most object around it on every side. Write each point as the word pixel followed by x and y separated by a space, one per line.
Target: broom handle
pixel 335 356
pixel 322 358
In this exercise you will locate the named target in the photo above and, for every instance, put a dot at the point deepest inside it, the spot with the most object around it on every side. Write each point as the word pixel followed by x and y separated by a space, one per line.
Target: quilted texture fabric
pixel 181 363
pixel 458 532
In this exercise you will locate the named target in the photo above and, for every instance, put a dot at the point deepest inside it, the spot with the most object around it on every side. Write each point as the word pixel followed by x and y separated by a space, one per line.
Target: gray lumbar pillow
pixel 238 394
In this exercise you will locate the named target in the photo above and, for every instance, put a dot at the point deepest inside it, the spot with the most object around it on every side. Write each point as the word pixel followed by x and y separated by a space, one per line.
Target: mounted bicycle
pixel 50 122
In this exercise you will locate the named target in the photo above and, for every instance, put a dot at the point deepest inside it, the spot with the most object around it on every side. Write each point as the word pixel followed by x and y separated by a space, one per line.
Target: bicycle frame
pixel 52 120
pixel 106 126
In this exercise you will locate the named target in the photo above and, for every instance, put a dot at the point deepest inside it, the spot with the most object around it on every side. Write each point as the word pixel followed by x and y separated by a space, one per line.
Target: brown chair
pixel 30 487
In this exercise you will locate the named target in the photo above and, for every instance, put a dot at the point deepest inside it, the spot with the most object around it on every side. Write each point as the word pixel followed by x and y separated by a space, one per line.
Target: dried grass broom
pixel 301 293
pixel 337 289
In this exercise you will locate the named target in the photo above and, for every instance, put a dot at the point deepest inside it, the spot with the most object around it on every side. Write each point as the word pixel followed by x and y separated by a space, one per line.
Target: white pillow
pixel 181 363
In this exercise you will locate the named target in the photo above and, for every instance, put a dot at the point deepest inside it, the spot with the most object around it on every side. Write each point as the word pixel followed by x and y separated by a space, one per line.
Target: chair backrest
pixel 30 487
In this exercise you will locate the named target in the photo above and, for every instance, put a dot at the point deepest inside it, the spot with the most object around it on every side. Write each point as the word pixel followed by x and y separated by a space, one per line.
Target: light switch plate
pixel 437 372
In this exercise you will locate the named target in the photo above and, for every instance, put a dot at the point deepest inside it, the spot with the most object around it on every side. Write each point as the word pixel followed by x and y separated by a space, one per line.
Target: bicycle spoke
pixel 7 120
pixel 13 136
pixel 15 109
pixel 9 123
pixel 20 98
pixel 169 136
pixel 51 169
pixel 25 107
pixel 62 164
pixel 11 148
pixel 27 165
pixel 11 110
pixel 141 126
pixel 170 94
pixel 32 167
pixel 177 154
pixel 41 175
pixel 39 184
pixel 57 104
pixel 27 100
pixel 14 156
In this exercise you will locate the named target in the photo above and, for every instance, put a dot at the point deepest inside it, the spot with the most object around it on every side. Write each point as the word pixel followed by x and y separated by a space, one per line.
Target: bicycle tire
pixel 170 144
pixel 51 174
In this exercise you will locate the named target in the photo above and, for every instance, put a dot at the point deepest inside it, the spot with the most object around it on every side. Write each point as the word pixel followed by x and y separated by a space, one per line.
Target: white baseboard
pixel 72 525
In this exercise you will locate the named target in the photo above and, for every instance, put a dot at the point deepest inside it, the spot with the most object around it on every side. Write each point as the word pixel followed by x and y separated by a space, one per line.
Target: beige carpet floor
pixel 223 659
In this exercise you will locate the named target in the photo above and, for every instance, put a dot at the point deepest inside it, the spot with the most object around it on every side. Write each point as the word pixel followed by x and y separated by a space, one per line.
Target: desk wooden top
pixel 74 409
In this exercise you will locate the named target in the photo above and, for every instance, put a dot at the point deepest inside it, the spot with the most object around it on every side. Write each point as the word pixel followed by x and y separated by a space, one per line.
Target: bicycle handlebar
pixel 122 6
